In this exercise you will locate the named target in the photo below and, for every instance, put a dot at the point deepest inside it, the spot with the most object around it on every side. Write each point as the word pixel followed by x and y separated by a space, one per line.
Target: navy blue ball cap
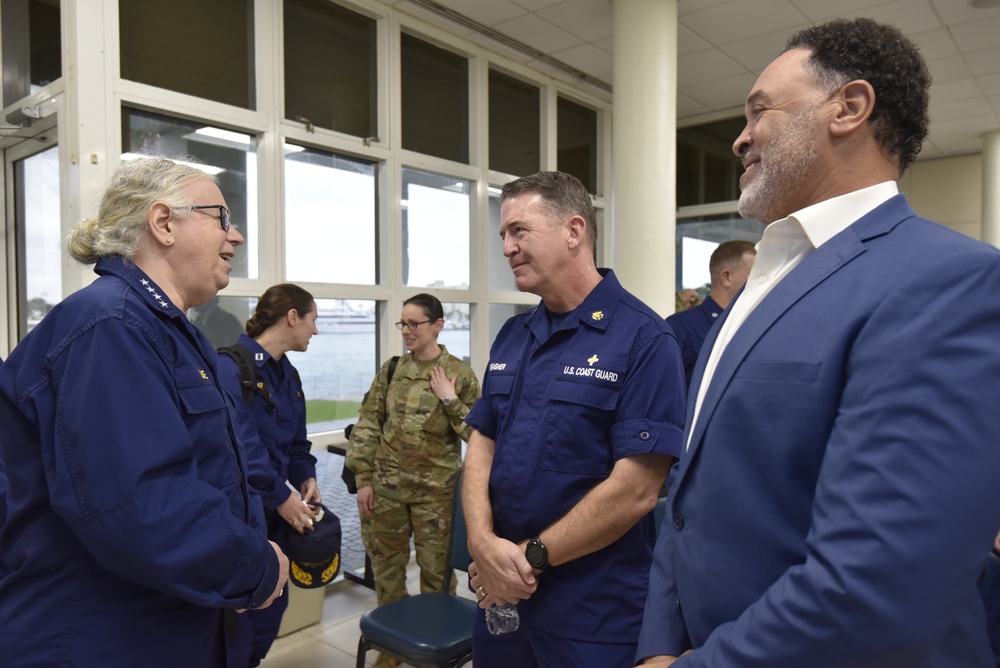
pixel 314 556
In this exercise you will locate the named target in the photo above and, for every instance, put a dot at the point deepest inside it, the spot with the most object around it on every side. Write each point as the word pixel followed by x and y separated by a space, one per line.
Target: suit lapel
pixel 816 268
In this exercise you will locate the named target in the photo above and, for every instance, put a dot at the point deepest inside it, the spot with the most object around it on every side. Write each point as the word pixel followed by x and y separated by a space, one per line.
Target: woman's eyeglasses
pixel 223 214
pixel 411 325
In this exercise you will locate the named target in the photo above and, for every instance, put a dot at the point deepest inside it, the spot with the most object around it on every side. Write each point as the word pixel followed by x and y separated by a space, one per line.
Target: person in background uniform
pixel 840 485
pixel 406 450
pixel 581 416
pixel 728 266
pixel 219 325
pixel 275 436
pixel 131 527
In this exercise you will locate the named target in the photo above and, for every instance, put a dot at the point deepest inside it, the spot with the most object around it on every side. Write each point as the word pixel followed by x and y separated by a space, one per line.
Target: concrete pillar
pixel 644 138
pixel 991 188
pixel 89 126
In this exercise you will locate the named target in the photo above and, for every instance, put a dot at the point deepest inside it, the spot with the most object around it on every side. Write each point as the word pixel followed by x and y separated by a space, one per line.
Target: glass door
pixel 34 233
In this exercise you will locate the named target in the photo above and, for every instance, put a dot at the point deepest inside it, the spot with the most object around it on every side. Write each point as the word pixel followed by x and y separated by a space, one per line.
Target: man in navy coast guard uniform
pixel 580 418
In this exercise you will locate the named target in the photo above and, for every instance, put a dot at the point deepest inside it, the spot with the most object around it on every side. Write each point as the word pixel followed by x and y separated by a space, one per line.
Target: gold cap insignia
pixel 597 315
pixel 592 360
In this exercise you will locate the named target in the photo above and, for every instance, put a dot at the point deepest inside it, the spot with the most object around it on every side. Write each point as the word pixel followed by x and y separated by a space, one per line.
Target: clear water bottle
pixel 502 618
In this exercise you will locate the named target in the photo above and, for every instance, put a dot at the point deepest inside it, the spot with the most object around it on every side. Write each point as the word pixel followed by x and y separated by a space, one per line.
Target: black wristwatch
pixel 537 554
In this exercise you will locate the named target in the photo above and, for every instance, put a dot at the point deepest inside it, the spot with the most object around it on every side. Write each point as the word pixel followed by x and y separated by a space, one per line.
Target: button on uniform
pixel 678 521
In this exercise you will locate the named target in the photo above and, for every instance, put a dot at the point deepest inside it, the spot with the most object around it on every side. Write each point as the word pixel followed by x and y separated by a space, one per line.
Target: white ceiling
pixel 724 44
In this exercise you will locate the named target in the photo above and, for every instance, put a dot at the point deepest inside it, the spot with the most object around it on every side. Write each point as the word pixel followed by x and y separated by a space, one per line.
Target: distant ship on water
pixel 343 319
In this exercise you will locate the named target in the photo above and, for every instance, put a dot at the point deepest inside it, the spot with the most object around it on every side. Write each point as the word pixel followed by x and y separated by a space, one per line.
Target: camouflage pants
pixel 386 535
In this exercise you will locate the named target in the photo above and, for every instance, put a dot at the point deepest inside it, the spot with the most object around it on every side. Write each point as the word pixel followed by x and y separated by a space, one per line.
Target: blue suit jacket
pixel 842 486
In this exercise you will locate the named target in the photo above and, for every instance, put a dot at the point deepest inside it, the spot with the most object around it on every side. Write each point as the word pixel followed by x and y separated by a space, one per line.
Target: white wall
pixel 948 191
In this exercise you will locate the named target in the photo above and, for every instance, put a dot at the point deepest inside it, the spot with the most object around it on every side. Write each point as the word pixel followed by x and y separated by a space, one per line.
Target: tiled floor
pixel 333 642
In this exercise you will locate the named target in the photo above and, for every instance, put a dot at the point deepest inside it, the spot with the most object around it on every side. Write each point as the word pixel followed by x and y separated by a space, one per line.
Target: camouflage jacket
pixel 407 442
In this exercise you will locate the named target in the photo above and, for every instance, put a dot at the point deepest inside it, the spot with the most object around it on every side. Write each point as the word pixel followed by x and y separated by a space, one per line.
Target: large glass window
pixel 500 275
pixel 337 368
pixel 435 100
pixel 576 136
pixel 455 335
pixel 501 313
pixel 330 218
pixel 340 363
pixel 435 230
pixel 330 67
pixel 222 319
pixel 32 46
pixel 514 125
pixel 190 46
pixel 698 236
pixel 39 247
pixel 230 156
pixel 707 170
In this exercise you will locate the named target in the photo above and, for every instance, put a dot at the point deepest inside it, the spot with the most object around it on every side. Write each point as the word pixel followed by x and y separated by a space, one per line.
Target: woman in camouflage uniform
pixel 406 451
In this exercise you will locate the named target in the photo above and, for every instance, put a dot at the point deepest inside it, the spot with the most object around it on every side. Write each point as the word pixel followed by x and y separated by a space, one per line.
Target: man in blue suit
pixel 840 485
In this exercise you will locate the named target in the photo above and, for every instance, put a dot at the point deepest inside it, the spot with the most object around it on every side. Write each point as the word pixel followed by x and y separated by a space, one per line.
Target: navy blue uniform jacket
pixel 691 327
pixel 842 486
pixel 276 442
pixel 130 523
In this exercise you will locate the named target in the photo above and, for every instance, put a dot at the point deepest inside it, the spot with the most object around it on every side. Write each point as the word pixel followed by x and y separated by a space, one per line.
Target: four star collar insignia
pixel 160 299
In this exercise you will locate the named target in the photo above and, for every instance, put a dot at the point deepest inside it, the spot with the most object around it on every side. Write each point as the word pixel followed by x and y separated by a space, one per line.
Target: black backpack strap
pixel 298 381
pixel 346 474
pixel 392 369
pixel 388 382
pixel 250 382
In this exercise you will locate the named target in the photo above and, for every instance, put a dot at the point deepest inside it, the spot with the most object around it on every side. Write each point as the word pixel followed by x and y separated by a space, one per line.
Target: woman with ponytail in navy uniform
pixel 274 429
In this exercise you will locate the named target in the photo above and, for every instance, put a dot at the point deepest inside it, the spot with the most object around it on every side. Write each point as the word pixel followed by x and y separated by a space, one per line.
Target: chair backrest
pixel 458 548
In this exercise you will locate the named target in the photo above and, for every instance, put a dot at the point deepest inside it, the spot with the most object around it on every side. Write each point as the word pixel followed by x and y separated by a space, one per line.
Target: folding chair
pixel 427 630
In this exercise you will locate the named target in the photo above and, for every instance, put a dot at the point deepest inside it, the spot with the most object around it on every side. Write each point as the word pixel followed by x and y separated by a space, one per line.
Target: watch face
pixel 535 554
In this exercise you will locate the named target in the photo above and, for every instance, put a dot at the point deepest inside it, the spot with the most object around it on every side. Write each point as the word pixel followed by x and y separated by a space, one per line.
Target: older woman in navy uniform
pixel 131 527
pixel 284 320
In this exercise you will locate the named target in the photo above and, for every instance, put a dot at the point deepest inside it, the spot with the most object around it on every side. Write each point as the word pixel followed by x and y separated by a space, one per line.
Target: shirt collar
pixel 260 355
pixel 155 297
pixel 156 300
pixel 711 306
pixel 595 310
pixel 825 220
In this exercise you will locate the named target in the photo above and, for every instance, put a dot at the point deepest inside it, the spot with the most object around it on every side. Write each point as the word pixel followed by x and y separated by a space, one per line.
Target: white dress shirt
pixel 784 244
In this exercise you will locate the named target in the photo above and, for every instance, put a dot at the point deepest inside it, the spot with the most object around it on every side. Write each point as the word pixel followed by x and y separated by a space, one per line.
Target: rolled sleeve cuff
pixel 482 420
pixel 637 437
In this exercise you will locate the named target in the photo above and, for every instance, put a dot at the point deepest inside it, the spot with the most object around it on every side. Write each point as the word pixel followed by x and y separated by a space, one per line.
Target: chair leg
pixel 362 652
